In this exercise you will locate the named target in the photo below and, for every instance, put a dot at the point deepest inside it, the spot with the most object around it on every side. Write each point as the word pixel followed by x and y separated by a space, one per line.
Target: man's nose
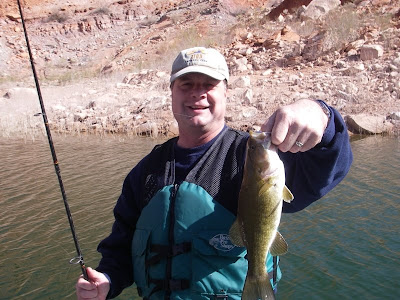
pixel 198 90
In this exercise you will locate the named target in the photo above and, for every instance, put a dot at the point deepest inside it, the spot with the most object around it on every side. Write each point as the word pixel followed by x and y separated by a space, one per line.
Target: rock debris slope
pixel 104 65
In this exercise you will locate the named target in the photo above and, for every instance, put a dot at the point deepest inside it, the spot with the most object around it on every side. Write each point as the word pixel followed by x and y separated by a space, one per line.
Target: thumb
pixel 269 124
pixel 92 274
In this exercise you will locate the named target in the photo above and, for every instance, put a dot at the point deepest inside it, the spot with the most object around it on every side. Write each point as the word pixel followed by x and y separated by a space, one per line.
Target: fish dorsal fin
pixel 278 246
pixel 287 195
pixel 235 234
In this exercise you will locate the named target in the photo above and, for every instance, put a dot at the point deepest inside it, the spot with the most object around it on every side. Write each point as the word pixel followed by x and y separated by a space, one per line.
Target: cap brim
pixel 198 69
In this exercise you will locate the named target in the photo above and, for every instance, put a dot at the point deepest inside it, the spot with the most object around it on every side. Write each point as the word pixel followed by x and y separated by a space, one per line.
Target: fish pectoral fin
pixel 278 246
pixel 235 234
pixel 287 195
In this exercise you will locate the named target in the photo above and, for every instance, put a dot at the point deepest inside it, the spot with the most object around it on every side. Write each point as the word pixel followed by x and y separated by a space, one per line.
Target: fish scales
pixel 259 211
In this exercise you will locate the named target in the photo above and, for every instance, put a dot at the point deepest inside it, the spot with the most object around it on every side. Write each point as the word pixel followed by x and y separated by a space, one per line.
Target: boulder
pixel 173 129
pixel 396 62
pixel 147 129
pixel 242 82
pixel 353 70
pixel 21 93
pixel 318 8
pixel 238 65
pixel 369 52
pixel 249 112
pixel 287 5
pixel 248 96
pixel 367 124
pixel 13 17
pixel 395 116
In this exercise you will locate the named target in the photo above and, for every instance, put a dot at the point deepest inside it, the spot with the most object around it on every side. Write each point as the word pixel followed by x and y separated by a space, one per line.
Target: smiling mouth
pixel 191 112
pixel 198 107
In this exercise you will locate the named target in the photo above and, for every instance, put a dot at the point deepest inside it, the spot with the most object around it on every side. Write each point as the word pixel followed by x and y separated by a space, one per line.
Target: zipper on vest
pixel 171 237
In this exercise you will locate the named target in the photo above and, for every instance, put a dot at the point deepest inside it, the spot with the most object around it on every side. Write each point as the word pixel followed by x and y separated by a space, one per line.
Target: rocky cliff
pixel 104 65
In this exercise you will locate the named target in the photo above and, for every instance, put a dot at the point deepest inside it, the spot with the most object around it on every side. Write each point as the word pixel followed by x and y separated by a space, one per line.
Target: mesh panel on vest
pixel 159 171
pixel 219 171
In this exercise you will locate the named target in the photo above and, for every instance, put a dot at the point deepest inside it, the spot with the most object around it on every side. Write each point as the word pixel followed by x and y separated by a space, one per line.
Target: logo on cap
pixel 200 60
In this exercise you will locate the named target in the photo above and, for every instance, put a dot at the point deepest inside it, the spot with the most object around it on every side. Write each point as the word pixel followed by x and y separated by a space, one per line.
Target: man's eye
pixel 210 85
pixel 186 84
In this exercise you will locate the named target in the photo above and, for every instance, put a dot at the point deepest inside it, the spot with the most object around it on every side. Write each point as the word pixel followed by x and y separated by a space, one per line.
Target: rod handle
pixel 84 272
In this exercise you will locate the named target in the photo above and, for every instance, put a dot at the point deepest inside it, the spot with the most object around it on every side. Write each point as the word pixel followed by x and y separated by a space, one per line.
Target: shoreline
pixel 111 106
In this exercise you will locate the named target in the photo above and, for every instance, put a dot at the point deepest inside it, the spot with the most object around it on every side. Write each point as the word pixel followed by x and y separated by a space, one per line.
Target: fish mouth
pixel 266 143
pixel 272 166
pixel 265 138
pixel 260 134
pixel 273 147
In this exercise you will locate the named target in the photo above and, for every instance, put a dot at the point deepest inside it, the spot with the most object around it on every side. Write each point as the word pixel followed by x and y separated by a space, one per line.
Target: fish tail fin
pixel 258 288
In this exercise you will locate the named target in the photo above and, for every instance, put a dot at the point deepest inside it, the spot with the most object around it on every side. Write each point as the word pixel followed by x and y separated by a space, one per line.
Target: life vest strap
pixel 275 269
pixel 169 285
pixel 167 251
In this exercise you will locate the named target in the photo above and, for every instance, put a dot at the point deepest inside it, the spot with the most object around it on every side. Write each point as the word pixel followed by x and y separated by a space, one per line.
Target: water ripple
pixel 345 245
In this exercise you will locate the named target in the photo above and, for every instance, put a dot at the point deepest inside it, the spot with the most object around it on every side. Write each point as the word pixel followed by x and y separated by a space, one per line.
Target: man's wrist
pixel 325 108
pixel 330 129
pixel 108 277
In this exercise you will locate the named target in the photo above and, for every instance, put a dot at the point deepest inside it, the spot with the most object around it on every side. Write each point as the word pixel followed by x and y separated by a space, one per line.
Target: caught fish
pixel 259 213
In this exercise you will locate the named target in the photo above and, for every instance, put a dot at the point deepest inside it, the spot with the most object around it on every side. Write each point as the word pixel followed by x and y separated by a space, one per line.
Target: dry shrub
pixel 342 26
pixel 191 37
pixel 57 16
pixel 303 29
pixel 240 7
pixel 101 11
pixel 68 76
pixel 234 7
pixel 149 20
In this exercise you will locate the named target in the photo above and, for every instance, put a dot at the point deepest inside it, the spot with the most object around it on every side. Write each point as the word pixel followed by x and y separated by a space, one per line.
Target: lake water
pixel 346 245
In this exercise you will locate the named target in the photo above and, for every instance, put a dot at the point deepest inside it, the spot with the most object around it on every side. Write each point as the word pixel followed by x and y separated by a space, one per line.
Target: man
pixel 183 195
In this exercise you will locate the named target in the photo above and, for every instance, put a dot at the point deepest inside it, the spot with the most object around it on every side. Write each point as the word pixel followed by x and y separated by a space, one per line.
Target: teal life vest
pixel 181 247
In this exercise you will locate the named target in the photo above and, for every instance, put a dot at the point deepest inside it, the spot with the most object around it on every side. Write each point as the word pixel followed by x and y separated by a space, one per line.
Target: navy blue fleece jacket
pixel 309 175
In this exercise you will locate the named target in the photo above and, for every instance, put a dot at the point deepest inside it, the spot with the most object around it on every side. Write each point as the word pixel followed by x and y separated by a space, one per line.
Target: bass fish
pixel 259 213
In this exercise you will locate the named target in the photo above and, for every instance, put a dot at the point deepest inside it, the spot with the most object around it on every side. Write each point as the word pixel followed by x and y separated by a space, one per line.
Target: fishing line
pixel 79 259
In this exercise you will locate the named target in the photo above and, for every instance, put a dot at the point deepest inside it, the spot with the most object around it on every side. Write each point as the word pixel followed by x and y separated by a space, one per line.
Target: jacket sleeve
pixel 116 259
pixel 312 174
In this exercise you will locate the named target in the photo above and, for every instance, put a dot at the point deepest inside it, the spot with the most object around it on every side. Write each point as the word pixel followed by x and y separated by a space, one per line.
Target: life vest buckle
pixel 170 284
pixel 221 295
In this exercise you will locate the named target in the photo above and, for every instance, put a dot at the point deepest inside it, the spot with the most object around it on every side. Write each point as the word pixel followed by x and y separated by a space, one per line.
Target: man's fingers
pixel 83 284
pixel 87 289
pixel 269 124
pixel 297 127
pixel 278 125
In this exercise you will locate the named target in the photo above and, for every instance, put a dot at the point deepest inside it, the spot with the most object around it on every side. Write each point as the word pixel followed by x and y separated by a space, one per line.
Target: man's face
pixel 199 101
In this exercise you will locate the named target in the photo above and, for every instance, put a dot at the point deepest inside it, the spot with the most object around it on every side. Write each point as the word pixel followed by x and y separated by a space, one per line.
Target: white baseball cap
pixel 207 61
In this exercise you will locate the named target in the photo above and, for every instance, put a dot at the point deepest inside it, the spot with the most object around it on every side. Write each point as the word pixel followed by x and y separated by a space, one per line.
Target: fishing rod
pixel 78 259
